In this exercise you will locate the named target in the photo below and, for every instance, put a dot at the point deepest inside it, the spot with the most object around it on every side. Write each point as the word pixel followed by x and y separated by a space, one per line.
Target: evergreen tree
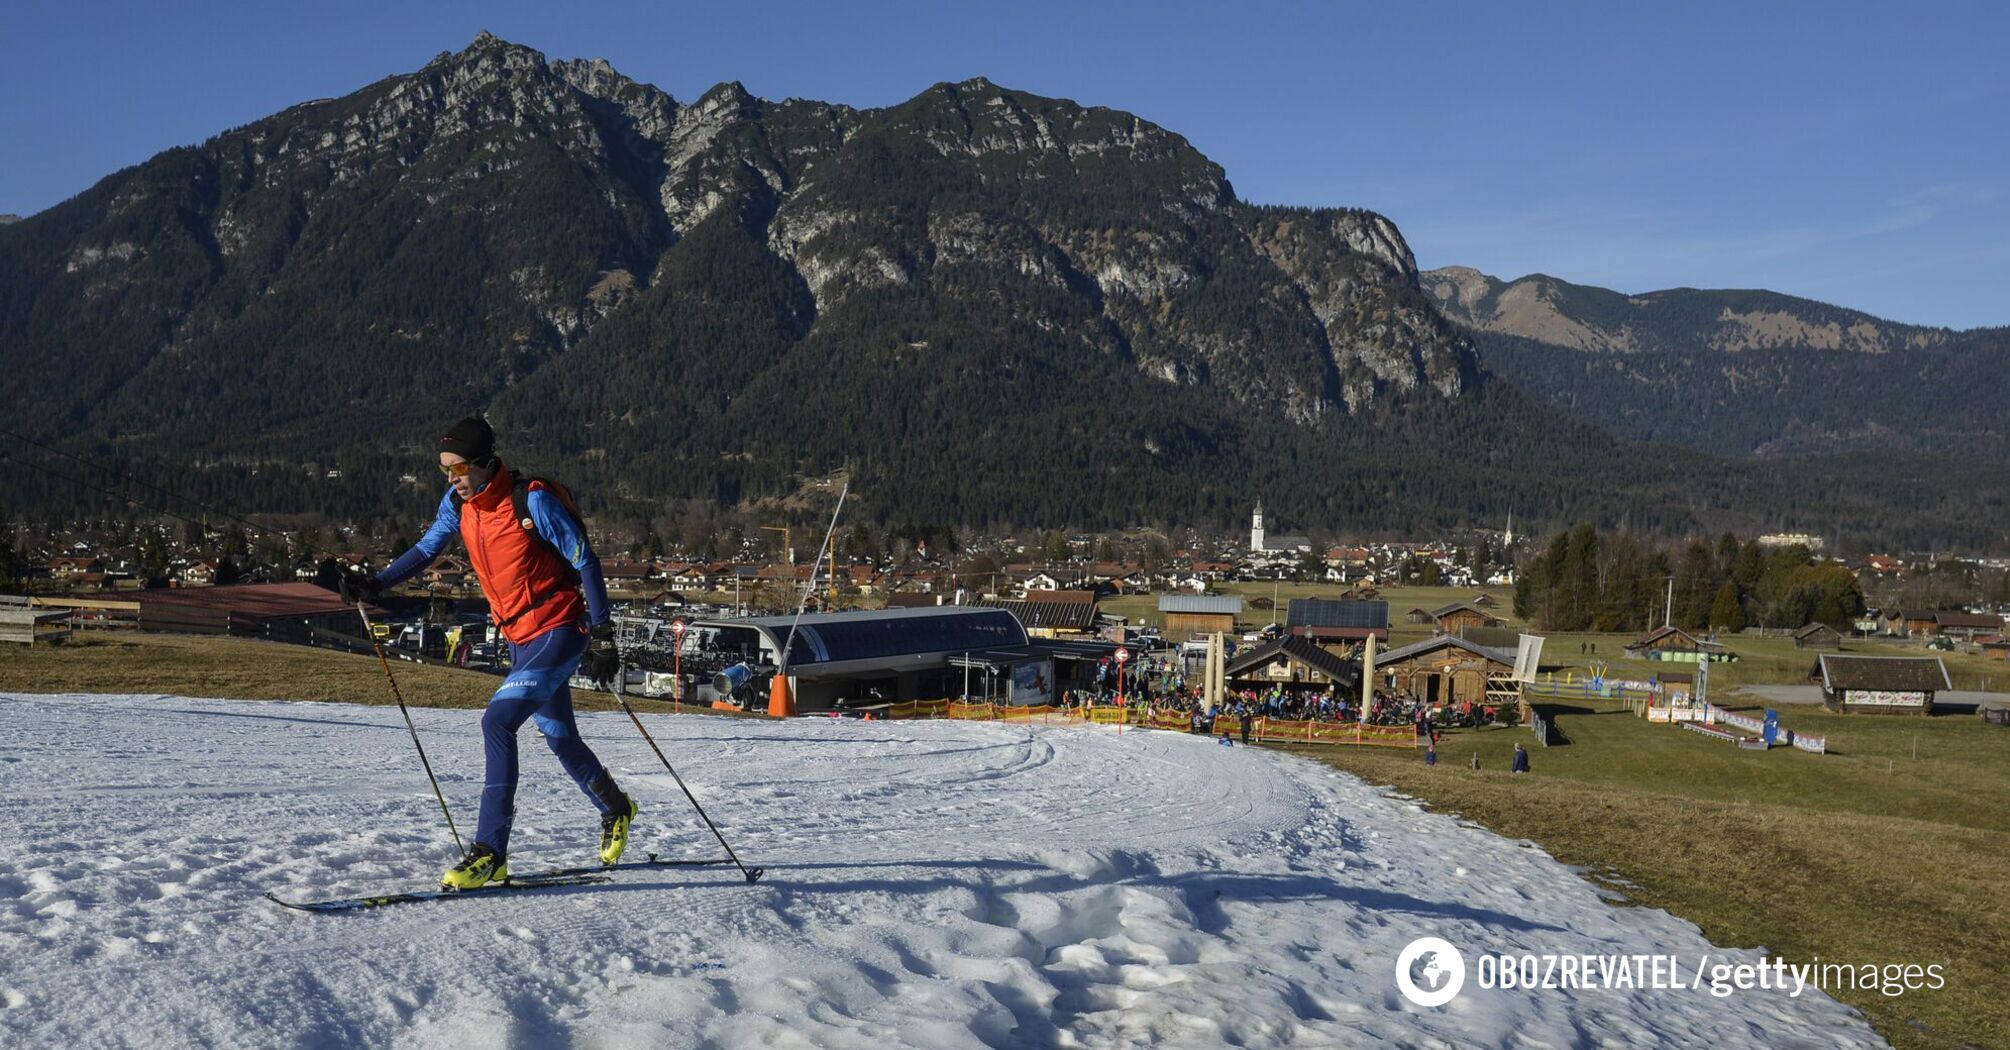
pixel 1580 575
pixel 1727 613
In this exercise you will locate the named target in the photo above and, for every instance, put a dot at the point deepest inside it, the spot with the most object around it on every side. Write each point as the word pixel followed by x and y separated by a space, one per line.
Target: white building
pixel 1259 541
pixel 1788 539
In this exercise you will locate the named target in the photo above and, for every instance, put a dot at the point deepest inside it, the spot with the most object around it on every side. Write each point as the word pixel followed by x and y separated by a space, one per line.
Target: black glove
pixel 602 661
pixel 359 587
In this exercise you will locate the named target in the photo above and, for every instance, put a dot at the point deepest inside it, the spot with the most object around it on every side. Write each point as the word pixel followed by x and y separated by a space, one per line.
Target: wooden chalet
pixel 1294 664
pixel 1919 623
pixel 1418 615
pixel 1451 618
pixel 626 574
pixel 1995 647
pixel 1885 565
pixel 1214 570
pixel 1674 643
pixel 1448 669
pixel 1048 616
pixel 1818 636
pixel 1966 626
pixel 1199 615
pixel 1880 684
pixel 70 568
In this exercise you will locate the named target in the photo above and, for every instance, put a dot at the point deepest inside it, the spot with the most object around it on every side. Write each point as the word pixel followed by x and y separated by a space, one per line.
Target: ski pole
pixel 754 874
pixel 371 633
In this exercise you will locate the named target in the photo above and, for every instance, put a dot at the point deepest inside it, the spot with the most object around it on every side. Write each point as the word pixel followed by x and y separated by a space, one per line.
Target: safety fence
pixel 1260 729
pixel 1805 741
pixel 1631 693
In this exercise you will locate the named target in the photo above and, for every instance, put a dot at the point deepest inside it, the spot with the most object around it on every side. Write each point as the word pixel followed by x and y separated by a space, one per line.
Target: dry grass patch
pixel 248 669
pixel 1858 857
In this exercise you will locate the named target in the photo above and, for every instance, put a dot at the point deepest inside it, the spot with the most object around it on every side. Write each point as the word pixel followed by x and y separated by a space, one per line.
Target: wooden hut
pixel 1966 626
pixel 1197 615
pixel 1880 684
pixel 1818 636
pixel 1674 643
pixel 1451 618
pixel 1295 663
pixel 1449 669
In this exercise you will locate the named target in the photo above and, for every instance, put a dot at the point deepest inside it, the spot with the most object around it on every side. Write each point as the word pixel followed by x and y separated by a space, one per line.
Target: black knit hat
pixel 471 439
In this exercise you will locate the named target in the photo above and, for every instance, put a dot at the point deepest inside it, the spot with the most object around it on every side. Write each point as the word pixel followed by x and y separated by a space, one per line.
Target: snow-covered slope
pixel 929 884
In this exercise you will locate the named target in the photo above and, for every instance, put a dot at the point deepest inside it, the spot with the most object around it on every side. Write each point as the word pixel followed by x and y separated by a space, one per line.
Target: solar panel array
pixel 1331 612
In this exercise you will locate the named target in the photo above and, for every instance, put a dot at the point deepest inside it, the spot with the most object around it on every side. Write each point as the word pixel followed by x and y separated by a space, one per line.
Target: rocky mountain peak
pixel 728 98
pixel 490 54
pixel 567 224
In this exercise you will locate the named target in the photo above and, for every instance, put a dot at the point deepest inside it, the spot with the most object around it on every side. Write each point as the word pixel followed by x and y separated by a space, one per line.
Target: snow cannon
pixel 730 681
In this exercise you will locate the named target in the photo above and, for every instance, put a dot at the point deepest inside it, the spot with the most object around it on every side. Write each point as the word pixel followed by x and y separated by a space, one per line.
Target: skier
pixel 533 568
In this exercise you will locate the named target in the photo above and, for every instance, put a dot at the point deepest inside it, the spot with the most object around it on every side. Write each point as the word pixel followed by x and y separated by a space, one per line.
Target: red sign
pixel 1123 654
pixel 678 627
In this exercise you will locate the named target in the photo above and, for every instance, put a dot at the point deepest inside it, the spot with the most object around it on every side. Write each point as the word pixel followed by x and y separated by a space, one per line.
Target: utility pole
pixel 1668 611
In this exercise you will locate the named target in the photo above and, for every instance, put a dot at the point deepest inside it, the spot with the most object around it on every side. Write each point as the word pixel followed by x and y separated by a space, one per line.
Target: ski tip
pixel 754 875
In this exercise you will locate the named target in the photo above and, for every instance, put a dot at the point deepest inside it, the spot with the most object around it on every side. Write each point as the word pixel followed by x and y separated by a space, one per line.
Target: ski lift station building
pixel 859 658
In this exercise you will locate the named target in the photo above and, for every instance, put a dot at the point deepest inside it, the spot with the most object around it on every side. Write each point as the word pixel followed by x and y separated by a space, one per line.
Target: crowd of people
pixel 1154 685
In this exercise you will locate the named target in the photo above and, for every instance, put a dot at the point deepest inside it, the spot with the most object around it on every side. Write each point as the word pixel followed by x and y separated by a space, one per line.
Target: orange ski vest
pixel 530 589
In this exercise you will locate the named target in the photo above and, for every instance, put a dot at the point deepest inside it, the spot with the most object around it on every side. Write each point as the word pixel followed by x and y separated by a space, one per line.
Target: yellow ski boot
pixel 614 830
pixel 482 867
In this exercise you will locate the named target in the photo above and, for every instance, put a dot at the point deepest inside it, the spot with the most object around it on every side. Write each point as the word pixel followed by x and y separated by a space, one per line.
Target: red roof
pixel 253 599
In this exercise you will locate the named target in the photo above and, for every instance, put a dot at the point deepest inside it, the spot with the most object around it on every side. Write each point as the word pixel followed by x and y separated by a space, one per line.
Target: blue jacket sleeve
pixel 569 536
pixel 446 526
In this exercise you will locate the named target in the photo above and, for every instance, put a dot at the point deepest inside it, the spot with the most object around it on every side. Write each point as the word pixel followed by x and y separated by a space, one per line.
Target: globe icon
pixel 1432 972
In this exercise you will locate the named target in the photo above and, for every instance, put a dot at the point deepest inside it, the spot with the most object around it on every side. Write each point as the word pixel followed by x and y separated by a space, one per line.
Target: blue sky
pixel 1856 154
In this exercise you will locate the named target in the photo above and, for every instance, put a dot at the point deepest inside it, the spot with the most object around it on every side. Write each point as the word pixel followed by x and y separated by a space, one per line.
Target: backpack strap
pixel 519 496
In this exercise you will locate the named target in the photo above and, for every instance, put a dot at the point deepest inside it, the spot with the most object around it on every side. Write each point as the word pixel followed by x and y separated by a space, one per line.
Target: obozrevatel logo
pixel 1430 972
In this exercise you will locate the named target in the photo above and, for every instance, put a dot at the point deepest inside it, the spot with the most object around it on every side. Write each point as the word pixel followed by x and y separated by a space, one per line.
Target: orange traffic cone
pixel 780 703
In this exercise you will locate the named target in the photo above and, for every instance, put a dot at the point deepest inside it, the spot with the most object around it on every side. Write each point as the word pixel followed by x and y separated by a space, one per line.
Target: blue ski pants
pixel 536 688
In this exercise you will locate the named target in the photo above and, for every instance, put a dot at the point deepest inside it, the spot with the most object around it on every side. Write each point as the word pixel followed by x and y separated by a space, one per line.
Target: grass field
pixel 246 669
pixel 1864 855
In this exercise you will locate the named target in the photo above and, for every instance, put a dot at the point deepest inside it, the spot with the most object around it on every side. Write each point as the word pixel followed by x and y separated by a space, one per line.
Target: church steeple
pixel 1256 528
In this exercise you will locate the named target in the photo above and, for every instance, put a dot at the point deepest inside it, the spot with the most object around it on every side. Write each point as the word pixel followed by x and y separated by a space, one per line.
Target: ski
pixel 535 882
pixel 652 861
pixel 580 876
